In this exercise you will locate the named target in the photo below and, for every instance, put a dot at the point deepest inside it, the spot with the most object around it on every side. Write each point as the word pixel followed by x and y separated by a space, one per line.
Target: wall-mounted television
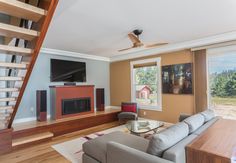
pixel 67 71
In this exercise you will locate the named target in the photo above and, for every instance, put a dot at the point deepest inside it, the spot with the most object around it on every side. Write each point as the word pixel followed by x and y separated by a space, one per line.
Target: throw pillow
pixel 129 108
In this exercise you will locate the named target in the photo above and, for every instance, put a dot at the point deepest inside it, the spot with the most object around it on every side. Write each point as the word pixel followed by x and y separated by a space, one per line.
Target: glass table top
pixel 143 126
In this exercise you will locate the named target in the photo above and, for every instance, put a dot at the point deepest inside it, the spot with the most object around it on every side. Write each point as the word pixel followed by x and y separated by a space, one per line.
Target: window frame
pixel 159 83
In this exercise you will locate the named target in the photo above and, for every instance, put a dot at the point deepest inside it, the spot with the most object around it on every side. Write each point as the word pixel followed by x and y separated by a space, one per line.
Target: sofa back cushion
pixel 194 122
pixel 208 114
pixel 167 138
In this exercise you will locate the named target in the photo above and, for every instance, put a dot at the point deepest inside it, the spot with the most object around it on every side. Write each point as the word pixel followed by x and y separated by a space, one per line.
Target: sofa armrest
pixel 118 153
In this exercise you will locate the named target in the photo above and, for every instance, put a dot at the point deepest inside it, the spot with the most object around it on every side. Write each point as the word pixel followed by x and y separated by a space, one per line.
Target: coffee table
pixel 139 127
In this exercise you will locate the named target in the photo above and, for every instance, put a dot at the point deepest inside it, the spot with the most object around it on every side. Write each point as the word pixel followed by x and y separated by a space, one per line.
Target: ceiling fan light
pixel 138 32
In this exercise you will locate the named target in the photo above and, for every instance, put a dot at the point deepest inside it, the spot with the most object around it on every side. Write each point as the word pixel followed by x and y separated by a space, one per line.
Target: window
pixel 146 83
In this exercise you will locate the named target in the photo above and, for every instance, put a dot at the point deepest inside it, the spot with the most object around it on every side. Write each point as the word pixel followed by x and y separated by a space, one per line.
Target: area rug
pixel 72 150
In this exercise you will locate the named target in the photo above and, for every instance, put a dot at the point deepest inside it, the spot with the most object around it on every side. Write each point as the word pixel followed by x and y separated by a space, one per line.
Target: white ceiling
pixel 100 27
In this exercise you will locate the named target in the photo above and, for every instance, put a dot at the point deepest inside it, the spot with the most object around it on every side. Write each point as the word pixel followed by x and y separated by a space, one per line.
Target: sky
pixel 221 63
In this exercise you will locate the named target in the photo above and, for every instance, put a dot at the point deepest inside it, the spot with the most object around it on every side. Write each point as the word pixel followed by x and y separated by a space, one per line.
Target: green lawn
pixel 224 101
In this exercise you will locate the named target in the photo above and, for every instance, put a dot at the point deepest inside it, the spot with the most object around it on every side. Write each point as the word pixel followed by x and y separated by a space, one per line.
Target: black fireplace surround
pixel 76 105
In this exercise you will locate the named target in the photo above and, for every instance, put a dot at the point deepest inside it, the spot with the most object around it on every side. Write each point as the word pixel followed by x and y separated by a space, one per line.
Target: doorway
pixel 222 82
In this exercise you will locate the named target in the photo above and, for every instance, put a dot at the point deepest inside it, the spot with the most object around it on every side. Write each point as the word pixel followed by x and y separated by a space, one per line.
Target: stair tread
pixel 9 89
pixel 31 138
pixel 4 117
pixel 10 78
pixel 17 32
pixel 7 99
pixel 13 65
pixel 15 50
pixel 21 10
pixel 2 126
pixel 6 107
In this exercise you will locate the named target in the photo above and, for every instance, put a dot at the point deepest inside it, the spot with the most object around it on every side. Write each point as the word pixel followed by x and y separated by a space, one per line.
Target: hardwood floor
pixel 44 153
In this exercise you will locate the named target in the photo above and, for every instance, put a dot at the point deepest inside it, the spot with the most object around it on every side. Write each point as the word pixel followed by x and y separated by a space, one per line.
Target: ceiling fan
pixel 134 37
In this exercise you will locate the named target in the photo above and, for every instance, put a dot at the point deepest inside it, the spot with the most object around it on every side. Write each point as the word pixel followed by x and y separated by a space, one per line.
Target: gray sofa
pixel 168 146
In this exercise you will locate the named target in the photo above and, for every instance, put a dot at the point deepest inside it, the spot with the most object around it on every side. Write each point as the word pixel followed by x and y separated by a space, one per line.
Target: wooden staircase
pixel 34 17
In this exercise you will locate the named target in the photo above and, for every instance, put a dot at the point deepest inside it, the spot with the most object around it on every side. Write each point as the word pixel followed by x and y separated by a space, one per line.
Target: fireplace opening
pixel 76 105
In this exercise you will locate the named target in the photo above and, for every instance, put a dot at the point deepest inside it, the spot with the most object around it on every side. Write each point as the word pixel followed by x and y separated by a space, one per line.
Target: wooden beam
pixel 21 10
pixel 17 32
pixel 5 141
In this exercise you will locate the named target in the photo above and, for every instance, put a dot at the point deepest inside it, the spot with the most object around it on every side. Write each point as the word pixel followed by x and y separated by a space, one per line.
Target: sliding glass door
pixel 222 82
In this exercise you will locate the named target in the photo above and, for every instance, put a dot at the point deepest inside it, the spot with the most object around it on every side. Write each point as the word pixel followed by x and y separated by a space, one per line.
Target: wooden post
pixel 5 140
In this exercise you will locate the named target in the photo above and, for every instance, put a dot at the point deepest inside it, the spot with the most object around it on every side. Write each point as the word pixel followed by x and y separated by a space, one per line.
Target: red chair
pixel 129 111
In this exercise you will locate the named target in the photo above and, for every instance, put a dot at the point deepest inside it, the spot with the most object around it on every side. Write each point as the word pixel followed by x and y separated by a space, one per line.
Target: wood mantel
pixel 58 93
pixel 215 145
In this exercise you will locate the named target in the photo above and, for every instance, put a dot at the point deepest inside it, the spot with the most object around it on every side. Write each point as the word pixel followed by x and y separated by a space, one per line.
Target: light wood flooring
pixel 44 153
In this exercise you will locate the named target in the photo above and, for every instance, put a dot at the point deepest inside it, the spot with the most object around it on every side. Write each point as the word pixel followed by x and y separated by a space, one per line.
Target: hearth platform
pixel 65 125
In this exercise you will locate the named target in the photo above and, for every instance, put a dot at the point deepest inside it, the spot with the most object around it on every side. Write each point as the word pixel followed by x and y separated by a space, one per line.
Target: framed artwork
pixel 177 79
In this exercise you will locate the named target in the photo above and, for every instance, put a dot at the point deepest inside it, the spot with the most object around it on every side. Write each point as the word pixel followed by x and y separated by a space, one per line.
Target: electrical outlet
pixel 144 113
pixel 32 109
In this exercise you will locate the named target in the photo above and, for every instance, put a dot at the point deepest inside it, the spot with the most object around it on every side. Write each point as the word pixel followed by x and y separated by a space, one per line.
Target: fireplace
pixel 69 101
pixel 77 105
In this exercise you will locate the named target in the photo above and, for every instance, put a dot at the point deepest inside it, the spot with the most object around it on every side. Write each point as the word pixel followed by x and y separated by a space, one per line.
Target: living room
pixel 117 82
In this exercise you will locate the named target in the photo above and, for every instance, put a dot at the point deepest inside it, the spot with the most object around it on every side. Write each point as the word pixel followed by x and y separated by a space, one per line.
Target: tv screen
pixel 67 71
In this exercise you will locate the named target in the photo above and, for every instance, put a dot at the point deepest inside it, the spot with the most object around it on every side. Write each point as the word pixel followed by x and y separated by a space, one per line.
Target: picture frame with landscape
pixel 177 79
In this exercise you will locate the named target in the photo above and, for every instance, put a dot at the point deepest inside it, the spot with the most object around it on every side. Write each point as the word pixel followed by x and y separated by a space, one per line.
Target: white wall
pixel 97 74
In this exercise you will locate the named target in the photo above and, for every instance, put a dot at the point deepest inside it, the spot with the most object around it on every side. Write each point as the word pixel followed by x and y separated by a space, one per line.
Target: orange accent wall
pixel 172 105
pixel 70 92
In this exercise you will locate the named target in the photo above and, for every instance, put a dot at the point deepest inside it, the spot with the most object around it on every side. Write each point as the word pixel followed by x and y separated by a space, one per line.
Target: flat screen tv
pixel 67 71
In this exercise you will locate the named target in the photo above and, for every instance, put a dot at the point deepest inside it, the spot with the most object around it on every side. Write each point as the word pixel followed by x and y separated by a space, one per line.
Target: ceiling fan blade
pixel 133 38
pixel 125 49
pixel 155 45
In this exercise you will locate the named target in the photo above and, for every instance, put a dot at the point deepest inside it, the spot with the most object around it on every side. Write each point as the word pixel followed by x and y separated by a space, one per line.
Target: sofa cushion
pixel 205 126
pixel 97 147
pixel 177 152
pixel 167 138
pixel 127 115
pixel 194 122
pixel 208 114
pixel 88 159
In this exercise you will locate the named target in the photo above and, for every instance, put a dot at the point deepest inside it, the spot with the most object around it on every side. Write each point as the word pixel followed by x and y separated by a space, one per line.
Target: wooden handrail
pixel 35 54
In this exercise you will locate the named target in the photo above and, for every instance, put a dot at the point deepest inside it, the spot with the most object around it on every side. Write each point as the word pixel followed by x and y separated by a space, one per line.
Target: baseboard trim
pixel 22 120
